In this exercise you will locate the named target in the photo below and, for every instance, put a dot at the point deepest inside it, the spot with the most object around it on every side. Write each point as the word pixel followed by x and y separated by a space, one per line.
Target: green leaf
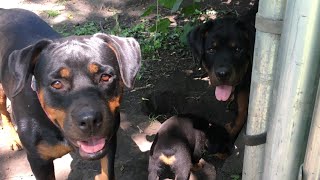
pixel 148 11
pixel 176 5
pixel 186 29
pixel 235 177
pixel 161 26
pixel 189 10
pixel 167 3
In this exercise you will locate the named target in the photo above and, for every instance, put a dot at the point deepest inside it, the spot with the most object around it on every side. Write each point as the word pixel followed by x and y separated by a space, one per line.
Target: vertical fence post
pixel 268 29
pixel 294 95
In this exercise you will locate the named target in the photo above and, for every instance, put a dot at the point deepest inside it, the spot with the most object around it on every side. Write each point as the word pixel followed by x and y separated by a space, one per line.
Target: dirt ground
pixel 174 77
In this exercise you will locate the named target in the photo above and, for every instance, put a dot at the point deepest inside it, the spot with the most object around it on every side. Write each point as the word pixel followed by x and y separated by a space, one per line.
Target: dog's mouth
pixel 92 148
pixel 223 92
pixel 91 145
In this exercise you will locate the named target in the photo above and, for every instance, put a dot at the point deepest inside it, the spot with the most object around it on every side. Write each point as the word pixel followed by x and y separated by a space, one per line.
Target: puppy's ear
pixel 195 39
pixel 20 65
pixel 128 53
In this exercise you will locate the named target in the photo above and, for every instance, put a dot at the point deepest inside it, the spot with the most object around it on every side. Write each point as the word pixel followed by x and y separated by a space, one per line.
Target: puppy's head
pixel 224 48
pixel 79 84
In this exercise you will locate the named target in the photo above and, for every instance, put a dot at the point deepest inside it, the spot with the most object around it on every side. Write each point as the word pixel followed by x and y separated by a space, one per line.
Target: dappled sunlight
pixel 71 11
pixel 142 142
pixel 142 133
pixel 35 7
pixel 62 166
pixel 14 164
pixel 141 138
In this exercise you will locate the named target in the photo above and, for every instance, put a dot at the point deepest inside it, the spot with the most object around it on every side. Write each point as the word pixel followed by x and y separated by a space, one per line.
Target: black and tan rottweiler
pixel 65 92
pixel 181 142
pixel 224 48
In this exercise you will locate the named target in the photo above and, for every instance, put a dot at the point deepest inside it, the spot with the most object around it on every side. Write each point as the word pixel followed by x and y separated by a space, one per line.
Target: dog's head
pixel 224 48
pixel 79 82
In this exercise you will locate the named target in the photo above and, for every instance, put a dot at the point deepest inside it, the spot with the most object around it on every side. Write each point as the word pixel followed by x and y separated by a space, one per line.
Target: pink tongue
pixel 92 145
pixel 223 92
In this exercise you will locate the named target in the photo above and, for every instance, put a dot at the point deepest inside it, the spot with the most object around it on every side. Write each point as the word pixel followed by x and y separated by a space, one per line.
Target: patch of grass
pixel 53 13
pixel 87 28
pixel 64 31
pixel 63 2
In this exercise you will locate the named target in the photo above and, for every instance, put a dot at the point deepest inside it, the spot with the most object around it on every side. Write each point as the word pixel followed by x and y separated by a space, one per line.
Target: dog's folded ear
pixel 20 65
pixel 195 39
pixel 128 54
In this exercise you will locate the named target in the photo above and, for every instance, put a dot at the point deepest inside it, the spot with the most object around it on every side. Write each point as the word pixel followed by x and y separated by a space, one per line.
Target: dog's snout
pixel 223 73
pixel 88 120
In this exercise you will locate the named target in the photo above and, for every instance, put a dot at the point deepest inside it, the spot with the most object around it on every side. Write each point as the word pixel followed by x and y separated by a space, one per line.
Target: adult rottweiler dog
pixel 224 47
pixel 65 92
pixel 181 142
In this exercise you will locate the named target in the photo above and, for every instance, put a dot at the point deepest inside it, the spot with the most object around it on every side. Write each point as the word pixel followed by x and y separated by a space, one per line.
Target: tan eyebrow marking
pixel 65 72
pixel 93 68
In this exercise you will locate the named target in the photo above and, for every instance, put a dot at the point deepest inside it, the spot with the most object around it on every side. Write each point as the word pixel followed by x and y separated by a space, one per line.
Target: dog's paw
pixel 230 129
pixel 13 140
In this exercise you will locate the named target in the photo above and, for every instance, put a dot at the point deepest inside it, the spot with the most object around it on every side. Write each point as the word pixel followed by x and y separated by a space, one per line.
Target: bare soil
pixel 174 83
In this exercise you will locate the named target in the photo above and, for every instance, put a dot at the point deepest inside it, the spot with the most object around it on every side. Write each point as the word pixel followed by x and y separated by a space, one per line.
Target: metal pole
pixel 294 95
pixel 266 50
pixel 311 167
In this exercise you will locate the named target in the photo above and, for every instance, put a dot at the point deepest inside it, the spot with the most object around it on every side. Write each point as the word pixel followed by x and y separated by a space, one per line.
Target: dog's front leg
pixel 243 102
pixel 107 162
pixel 14 141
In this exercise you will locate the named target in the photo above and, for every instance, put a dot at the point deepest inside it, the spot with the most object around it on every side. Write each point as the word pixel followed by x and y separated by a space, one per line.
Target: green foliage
pixel 235 177
pixel 161 26
pixel 149 10
pixel 88 28
pixel 52 13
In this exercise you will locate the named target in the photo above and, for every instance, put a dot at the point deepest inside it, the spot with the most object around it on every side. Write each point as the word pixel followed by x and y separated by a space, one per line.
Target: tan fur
pixel 47 151
pixel 168 160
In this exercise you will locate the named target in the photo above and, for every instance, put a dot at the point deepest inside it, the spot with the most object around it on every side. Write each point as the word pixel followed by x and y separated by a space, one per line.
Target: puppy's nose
pixel 88 120
pixel 223 73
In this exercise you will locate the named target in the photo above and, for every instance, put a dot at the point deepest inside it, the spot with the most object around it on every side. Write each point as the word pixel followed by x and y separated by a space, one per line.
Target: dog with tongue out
pixel 224 47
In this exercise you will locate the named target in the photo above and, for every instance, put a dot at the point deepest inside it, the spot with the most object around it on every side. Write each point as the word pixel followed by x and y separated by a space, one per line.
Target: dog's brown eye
pixel 57 85
pixel 105 77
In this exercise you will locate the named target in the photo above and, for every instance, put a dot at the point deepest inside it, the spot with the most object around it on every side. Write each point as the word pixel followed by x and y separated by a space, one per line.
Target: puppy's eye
pixel 57 85
pixel 105 77
pixel 211 51
pixel 237 49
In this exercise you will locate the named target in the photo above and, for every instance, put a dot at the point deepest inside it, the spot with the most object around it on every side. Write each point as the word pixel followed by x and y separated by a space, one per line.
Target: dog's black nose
pixel 223 73
pixel 88 120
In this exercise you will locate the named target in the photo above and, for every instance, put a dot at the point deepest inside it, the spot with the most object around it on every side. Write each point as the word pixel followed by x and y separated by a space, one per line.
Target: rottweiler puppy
pixel 181 142
pixel 65 92
pixel 224 48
